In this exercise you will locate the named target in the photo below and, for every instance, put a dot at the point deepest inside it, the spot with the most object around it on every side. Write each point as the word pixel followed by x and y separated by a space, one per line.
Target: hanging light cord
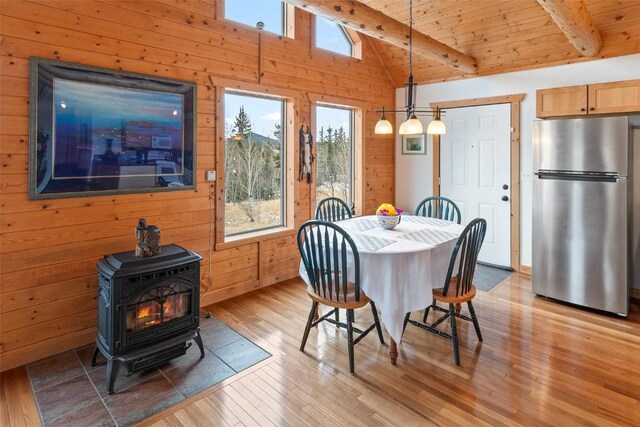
pixel 410 104
pixel 410 38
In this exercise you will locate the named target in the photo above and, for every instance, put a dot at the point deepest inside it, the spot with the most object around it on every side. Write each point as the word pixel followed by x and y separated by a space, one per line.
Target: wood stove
pixel 148 308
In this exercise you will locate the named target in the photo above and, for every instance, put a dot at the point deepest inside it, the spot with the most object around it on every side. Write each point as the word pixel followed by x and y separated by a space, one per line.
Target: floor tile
pixel 197 374
pixel 66 384
pixel 142 400
pixel 94 415
pixel 54 370
pixel 241 354
pixel 65 397
pixel 217 335
pixel 191 357
pixel 85 353
pixel 99 379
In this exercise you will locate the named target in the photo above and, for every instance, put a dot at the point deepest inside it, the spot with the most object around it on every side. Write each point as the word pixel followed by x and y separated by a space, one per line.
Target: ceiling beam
pixel 575 22
pixel 371 22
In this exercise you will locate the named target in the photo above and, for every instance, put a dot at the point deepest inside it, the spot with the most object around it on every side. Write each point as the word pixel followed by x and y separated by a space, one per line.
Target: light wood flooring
pixel 541 363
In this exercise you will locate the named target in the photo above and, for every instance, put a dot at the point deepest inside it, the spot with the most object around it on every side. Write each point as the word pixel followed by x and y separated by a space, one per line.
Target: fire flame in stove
pixel 151 313
pixel 144 311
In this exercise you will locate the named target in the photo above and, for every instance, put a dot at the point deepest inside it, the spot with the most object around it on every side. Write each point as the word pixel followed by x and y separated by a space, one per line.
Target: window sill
pixel 257 236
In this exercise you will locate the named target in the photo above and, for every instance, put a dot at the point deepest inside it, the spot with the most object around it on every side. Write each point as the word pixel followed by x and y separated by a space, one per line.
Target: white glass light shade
pixel 412 126
pixel 383 127
pixel 436 127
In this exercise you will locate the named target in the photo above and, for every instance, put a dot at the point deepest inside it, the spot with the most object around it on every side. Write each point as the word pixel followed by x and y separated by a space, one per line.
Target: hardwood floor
pixel 541 363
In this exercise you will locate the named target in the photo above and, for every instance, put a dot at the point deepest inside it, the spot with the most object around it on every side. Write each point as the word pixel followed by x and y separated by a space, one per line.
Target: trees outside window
pixel 253 163
pixel 334 139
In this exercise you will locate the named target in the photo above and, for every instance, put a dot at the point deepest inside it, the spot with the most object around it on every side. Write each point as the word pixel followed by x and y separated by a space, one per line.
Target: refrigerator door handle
pixel 578 176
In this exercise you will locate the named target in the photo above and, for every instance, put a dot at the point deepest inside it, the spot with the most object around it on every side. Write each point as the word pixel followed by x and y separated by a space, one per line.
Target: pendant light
pixel 383 127
pixel 437 127
pixel 412 125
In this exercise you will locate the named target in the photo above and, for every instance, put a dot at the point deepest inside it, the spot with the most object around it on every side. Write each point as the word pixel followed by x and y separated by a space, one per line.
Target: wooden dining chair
pixel 333 209
pixel 439 207
pixel 458 286
pixel 330 257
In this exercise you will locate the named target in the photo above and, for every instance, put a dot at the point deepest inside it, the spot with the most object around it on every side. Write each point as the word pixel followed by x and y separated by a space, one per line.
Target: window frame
pixel 352 37
pixel 290 184
pixel 352 120
pixel 358 146
pixel 283 161
pixel 288 20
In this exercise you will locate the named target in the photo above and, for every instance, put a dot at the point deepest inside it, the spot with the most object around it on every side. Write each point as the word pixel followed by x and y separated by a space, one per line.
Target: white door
pixel 475 172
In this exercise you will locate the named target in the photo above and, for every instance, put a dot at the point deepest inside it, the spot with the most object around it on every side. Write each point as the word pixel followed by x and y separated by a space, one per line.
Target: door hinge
pixel 512 130
pixel 118 307
pixel 439 181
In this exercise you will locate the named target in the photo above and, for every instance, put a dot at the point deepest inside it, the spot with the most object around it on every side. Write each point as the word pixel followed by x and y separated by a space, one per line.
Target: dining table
pixel 399 268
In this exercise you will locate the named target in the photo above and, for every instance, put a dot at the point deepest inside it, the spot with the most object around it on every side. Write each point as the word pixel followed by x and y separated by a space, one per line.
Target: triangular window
pixel 333 37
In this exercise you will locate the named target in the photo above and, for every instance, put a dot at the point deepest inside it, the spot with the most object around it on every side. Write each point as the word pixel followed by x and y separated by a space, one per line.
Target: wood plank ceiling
pixel 502 35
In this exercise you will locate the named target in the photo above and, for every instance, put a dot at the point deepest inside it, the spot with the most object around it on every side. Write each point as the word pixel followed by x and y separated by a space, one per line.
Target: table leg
pixel 393 351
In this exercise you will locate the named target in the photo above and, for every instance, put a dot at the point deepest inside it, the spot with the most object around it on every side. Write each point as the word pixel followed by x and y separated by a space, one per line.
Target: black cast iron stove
pixel 148 308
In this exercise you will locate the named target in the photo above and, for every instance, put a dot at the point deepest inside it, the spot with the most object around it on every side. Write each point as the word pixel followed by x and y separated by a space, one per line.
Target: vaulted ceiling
pixel 502 35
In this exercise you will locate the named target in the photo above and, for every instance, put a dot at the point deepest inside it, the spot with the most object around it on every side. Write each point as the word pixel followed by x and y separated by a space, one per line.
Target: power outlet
pixel 211 176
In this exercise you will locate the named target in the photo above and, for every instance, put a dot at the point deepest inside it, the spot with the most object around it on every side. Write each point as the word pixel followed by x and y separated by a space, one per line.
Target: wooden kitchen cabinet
pixel 602 98
pixel 561 101
pixel 617 97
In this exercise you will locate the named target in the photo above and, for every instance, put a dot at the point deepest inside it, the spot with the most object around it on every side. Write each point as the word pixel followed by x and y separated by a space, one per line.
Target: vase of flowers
pixel 388 216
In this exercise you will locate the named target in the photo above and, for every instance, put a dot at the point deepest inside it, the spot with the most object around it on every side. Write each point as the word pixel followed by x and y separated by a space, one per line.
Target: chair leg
pixel 406 320
pixel 377 322
pixel 426 311
pixel 337 316
pixel 312 313
pixel 350 337
pixel 454 334
pixel 475 320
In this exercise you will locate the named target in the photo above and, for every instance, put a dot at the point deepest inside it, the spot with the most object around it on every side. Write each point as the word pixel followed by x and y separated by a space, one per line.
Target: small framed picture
pixel 414 144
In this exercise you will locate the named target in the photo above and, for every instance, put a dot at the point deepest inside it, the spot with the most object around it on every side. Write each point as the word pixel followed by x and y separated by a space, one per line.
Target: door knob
pixel 505 187
pixel 505 198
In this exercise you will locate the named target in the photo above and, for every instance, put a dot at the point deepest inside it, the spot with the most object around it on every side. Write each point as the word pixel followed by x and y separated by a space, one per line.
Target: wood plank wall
pixel 49 248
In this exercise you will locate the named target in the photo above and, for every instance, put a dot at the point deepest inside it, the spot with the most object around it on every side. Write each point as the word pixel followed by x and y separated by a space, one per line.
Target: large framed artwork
pixel 97 131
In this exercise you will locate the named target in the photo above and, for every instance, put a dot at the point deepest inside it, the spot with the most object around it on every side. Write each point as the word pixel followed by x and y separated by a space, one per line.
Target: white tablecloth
pixel 400 267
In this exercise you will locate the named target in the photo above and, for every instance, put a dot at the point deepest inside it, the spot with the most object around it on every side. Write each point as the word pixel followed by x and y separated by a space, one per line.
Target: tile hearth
pixel 69 391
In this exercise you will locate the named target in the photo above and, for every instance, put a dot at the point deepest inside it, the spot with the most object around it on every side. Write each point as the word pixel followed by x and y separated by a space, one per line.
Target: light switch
pixel 211 175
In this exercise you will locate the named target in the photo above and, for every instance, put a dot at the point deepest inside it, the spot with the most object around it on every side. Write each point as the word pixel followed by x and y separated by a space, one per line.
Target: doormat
pixel 486 278
pixel 70 392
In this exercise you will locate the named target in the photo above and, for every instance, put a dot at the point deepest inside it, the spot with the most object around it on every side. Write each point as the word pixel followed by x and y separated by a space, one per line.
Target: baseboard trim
pixel 635 294
pixel 524 269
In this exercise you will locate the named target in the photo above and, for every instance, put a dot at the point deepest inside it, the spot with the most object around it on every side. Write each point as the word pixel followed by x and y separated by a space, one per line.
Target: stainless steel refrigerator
pixel 582 219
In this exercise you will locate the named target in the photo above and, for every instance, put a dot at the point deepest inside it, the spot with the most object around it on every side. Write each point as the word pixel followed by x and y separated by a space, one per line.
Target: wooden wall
pixel 49 248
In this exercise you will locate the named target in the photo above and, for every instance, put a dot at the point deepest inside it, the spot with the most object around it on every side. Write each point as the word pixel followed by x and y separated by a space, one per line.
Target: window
pixel 334 146
pixel 333 37
pixel 270 12
pixel 253 163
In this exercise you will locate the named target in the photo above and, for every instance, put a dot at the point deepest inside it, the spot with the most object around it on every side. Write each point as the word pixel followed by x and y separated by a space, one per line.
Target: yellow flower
pixel 386 209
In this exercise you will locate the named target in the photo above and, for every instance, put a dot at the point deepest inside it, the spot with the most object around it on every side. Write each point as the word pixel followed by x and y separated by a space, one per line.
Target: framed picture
pixel 97 131
pixel 414 144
